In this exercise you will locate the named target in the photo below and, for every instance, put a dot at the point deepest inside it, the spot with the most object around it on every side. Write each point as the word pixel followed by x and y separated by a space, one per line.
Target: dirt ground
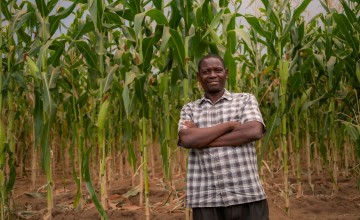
pixel 321 204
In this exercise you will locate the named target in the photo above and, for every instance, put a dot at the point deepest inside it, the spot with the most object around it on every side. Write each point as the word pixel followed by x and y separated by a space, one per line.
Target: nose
pixel 213 73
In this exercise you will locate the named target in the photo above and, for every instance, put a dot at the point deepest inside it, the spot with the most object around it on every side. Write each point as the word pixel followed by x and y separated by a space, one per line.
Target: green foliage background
pixel 134 62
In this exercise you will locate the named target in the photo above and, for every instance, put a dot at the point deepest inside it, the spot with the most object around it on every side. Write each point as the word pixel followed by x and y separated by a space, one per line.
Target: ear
pixel 226 73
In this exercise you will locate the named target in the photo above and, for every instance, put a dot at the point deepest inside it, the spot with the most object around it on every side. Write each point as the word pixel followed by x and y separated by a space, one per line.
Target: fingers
pixel 189 124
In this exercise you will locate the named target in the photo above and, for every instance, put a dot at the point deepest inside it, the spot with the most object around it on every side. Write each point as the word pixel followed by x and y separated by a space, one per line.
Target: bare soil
pixel 322 204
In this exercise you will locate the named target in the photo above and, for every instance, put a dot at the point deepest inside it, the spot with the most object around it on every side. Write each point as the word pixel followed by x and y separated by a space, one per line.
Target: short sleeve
pixel 185 115
pixel 251 111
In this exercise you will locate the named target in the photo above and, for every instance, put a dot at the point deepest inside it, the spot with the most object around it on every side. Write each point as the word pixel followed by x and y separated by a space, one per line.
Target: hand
pixel 189 124
pixel 234 124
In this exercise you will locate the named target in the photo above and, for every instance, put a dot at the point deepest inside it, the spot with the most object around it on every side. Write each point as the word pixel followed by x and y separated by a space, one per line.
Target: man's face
pixel 212 75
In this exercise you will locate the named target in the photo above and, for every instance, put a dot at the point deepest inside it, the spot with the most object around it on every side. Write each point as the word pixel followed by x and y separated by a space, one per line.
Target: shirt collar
pixel 227 95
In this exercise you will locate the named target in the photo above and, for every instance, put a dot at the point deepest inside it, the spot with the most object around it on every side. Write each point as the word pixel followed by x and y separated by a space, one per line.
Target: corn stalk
pixel 157 47
pixel 3 193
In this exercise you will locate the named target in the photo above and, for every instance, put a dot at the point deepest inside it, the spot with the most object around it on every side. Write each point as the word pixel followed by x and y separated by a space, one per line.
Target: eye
pixel 219 70
pixel 205 72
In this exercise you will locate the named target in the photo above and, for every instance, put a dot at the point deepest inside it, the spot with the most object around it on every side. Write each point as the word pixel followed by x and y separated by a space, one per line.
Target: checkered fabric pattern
pixel 222 176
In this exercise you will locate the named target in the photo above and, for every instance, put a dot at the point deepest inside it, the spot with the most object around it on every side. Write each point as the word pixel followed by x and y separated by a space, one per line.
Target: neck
pixel 214 96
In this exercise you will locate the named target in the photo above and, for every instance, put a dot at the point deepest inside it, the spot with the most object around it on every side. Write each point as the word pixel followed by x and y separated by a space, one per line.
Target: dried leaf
pixel 131 207
pixel 28 214
pixel 133 192
pixel 36 194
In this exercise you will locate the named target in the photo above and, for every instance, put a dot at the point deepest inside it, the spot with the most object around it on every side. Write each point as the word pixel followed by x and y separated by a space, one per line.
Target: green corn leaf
pixel 54 76
pixel 125 14
pixel 84 29
pixel 5 11
pixel 58 48
pixel 214 23
pixel 49 105
pixel 320 59
pixel 188 16
pixel 96 13
pixel 62 13
pixel 90 186
pixel 158 4
pixel 358 71
pixel 242 35
pixel 274 123
pixel 215 39
pixel 130 77
pixel 306 105
pixel 20 80
pixel 109 78
pixel 349 13
pixel 177 45
pixel 12 176
pixel 165 38
pixel 255 24
pixel 126 100
pixel 158 16
pixel 52 3
pixel 223 3
pixel 132 156
pixel 155 14
pixel 38 117
pixel 45 148
pixel 140 94
pixel 41 6
pixel 352 130
pixel 297 12
pixel 305 96
pixel 24 37
pixel 135 7
pixel 113 20
pixel 20 18
pixel 165 155
pixel 295 81
pixel 129 33
pixel 88 54
pixel 330 69
pixel 228 21
pixel 175 17
pixel 346 29
pixel 311 42
pixel 274 18
pixel 138 24
pixel 148 44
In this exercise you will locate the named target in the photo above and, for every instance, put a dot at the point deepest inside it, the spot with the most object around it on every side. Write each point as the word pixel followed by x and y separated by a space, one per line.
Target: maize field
pixel 91 93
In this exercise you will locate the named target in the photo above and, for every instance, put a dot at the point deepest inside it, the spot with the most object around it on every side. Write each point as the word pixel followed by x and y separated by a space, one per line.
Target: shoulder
pixel 192 105
pixel 243 96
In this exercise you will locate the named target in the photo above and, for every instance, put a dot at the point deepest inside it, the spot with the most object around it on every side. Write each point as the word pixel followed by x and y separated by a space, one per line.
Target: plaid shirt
pixel 222 176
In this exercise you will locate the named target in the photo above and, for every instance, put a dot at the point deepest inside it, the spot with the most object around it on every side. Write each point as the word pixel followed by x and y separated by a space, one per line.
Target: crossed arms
pixel 226 134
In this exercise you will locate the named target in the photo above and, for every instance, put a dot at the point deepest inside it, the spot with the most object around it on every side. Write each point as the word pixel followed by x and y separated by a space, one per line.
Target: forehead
pixel 211 62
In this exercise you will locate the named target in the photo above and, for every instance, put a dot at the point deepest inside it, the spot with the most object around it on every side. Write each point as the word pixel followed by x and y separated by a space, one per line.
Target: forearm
pixel 241 134
pixel 201 137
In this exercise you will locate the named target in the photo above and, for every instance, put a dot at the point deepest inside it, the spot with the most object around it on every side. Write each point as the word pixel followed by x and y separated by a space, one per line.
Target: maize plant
pixel 108 79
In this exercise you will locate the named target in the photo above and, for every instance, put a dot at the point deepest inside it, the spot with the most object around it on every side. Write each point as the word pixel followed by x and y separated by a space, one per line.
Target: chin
pixel 213 91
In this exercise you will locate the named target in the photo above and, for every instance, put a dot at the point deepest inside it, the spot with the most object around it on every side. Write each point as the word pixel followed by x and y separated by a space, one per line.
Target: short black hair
pixel 210 56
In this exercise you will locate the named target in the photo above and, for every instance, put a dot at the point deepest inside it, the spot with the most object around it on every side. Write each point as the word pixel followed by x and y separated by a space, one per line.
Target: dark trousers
pixel 258 210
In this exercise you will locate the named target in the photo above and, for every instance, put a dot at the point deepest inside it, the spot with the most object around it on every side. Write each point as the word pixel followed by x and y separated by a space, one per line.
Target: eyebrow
pixel 209 68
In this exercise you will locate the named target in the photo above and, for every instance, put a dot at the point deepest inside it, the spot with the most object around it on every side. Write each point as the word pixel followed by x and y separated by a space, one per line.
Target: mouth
pixel 213 83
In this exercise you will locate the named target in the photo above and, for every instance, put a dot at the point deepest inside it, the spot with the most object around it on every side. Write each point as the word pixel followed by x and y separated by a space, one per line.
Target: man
pixel 220 130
